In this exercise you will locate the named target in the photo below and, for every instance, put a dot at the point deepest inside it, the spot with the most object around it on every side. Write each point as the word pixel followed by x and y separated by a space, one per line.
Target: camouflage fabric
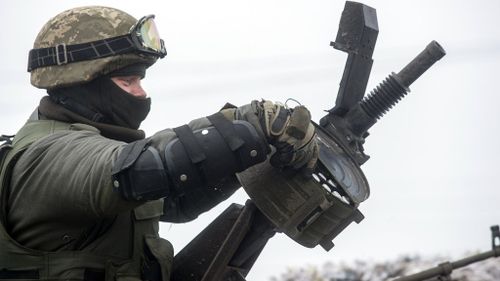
pixel 66 248
pixel 290 131
pixel 81 25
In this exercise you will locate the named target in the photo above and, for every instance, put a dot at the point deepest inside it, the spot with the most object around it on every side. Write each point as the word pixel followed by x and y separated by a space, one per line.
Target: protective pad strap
pixel 226 129
pixel 220 160
pixel 188 140
pixel 139 173
pixel 129 154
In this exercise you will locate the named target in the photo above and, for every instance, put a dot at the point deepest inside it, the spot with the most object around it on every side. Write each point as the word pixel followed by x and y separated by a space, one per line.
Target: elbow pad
pixel 193 161
pixel 139 173
pixel 202 158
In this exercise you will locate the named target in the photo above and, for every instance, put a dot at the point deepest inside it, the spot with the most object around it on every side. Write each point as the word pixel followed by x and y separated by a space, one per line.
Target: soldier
pixel 82 188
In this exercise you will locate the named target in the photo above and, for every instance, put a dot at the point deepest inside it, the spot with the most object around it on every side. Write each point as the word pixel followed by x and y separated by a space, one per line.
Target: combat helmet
pixel 83 43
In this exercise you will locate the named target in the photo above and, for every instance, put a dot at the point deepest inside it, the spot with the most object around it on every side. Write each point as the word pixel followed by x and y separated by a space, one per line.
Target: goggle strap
pixel 63 54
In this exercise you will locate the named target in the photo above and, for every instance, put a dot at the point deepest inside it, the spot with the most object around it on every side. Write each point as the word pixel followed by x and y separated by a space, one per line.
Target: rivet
pixel 116 184
pixel 183 177
pixel 204 132
pixel 253 153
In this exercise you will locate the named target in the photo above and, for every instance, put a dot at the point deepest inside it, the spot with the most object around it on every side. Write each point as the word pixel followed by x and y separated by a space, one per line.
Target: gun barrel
pixel 446 268
pixel 392 90
pixel 476 258
pixel 431 54
pixel 424 275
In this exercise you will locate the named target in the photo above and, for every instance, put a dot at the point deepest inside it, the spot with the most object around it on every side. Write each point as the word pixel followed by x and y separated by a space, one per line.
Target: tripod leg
pixel 227 248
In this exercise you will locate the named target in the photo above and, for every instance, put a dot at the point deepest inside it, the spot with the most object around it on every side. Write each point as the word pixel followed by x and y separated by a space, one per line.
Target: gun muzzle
pixel 431 54
pixel 392 90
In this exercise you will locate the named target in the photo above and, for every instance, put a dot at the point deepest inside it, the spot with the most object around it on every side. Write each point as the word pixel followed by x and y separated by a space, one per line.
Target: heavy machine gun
pixel 310 211
pixel 443 271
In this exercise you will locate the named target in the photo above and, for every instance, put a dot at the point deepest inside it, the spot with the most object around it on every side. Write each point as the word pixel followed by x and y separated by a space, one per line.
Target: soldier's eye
pixel 127 81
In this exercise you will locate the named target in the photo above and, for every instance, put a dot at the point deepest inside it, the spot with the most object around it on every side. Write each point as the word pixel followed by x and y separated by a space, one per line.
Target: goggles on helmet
pixel 143 38
pixel 146 36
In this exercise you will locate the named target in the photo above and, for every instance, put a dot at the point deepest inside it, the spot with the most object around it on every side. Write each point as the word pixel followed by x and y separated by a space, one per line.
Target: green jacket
pixel 62 218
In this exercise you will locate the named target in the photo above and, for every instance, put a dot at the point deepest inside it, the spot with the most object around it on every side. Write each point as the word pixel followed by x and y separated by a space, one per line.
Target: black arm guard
pixel 139 173
pixel 202 158
pixel 196 162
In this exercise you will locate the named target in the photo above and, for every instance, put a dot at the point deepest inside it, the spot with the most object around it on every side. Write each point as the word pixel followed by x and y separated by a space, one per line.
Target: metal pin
pixel 253 153
pixel 183 177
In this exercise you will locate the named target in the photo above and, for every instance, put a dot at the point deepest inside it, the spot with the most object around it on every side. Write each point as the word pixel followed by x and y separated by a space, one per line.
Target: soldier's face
pixel 131 85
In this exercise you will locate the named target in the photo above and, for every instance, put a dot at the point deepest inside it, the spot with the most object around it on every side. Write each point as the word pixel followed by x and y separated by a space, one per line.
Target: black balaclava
pixel 102 101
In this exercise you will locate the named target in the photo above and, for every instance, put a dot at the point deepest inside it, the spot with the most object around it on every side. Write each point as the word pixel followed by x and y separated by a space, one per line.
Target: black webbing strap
pixel 63 54
pixel 280 121
pixel 7 139
pixel 191 145
pixel 19 274
pixel 89 274
pixel 5 171
pixel 94 275
pixel 129 155
pixel 227 131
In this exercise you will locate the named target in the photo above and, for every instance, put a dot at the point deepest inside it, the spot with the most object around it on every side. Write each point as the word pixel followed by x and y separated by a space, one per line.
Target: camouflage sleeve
pixel 61 186
pixel 71 171
pixel 65 178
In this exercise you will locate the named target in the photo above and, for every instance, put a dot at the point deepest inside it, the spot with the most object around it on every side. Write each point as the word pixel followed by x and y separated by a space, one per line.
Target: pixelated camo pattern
pixel 80 25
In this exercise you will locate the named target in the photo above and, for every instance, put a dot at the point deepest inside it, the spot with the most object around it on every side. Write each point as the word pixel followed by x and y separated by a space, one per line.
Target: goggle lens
pixel 150 36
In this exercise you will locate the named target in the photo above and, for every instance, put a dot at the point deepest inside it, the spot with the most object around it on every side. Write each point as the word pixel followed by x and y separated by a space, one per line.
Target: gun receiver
pixel 357 35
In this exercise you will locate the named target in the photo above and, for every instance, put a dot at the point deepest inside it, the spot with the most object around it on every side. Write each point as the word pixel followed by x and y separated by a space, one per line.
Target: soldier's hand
pixel 291 132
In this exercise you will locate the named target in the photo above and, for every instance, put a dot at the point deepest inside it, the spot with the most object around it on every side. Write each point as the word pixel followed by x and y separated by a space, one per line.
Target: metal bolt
pixel 253 153
pixel 183 177
pixel 116 184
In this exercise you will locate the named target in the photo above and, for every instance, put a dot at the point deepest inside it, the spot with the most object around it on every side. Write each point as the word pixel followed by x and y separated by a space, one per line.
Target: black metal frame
pixel 227 248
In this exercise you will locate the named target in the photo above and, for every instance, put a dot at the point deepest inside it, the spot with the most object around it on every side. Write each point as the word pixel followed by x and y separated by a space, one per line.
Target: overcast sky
pixel 433 170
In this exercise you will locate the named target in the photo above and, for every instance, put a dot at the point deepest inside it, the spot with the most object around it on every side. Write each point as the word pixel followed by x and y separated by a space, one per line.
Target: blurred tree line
pixel 361 270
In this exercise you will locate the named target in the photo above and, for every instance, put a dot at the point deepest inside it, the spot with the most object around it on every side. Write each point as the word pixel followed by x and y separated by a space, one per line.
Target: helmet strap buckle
pixel 61 51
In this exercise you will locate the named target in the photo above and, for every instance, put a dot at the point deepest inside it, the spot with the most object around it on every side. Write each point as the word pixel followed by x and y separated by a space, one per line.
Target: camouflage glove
pixel 289 131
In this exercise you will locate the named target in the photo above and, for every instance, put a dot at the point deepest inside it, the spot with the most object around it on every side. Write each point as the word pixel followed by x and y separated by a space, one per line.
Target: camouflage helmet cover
pixel 81 25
